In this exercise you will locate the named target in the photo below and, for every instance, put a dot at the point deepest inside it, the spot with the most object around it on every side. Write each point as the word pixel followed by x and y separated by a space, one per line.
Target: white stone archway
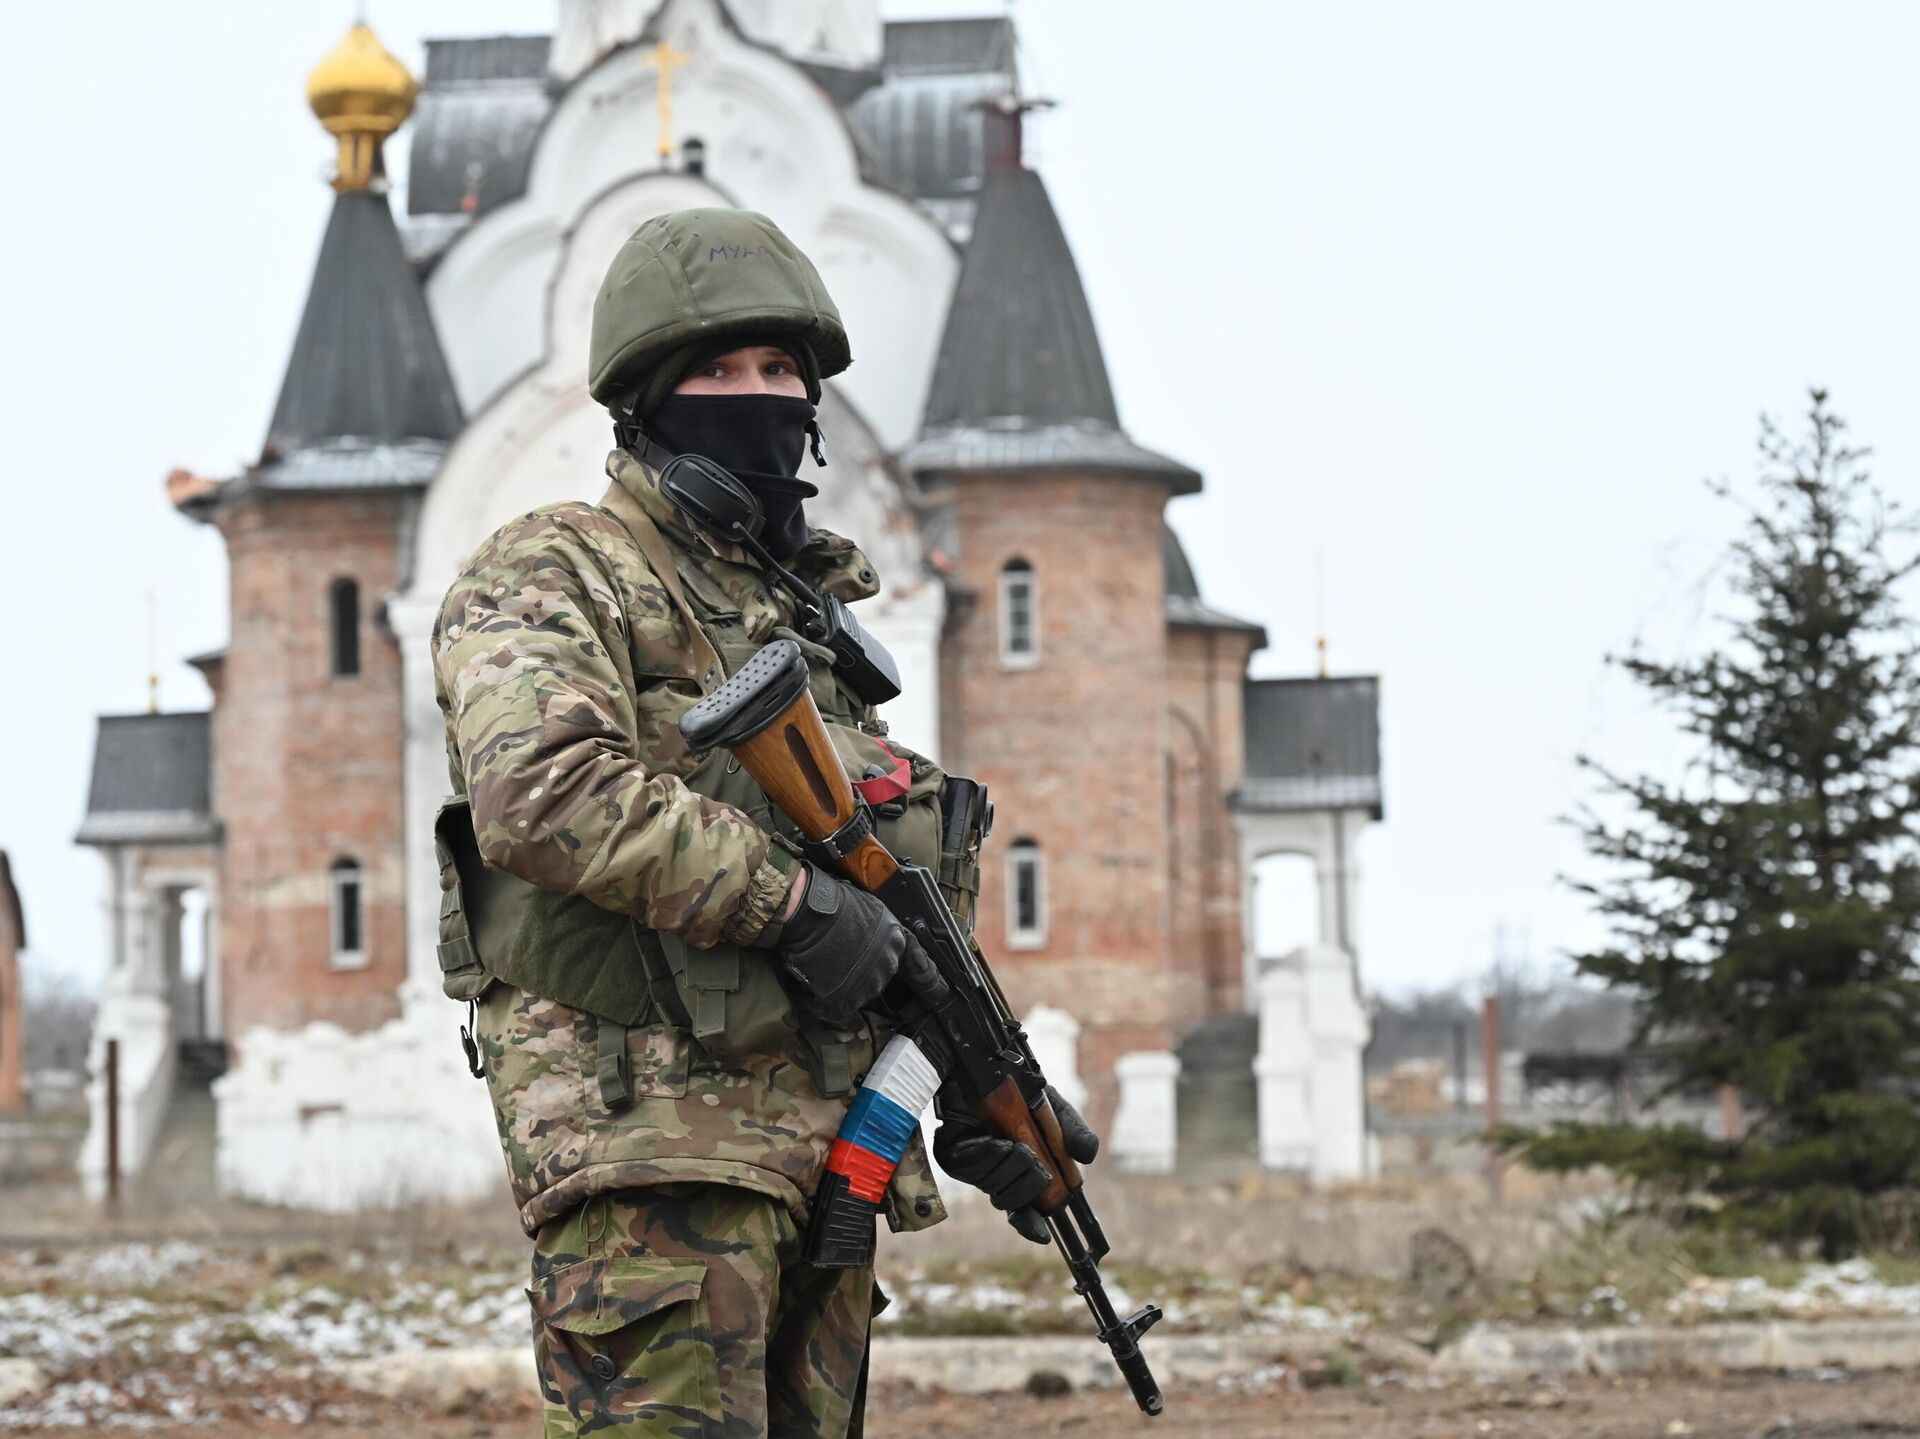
pixel 1313 1024
pixel 1327 837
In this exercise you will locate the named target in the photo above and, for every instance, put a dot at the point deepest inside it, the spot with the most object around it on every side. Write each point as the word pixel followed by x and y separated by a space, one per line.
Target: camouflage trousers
pixel 685 1310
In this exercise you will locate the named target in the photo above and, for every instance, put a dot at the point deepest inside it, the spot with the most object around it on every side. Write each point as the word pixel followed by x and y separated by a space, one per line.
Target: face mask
pixel 759 438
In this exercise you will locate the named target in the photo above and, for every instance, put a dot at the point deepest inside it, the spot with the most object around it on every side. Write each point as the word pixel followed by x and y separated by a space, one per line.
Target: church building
pixel 271 880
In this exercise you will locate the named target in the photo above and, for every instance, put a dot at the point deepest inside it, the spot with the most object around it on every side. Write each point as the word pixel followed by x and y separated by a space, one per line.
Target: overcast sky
pixel 1465 300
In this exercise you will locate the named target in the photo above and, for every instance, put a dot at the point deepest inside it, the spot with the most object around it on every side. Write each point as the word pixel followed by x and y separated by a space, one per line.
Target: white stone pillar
pixel 1145 1136
pixel 1356 822
pixel 1311 1087
pixel 1340 1029
pixel 1324 849
pixel 143 1026
pixel 1281 1071
pixel 1054 1036
pixel 145 971
pixel 424 774
pixel 1249 915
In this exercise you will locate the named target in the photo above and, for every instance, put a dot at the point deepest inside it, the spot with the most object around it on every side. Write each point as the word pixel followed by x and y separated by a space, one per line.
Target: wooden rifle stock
pixel 796 765
pixel 794 761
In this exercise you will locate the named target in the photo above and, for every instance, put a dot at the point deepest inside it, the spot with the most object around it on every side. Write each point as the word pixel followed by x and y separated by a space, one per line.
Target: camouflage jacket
pixel 561 665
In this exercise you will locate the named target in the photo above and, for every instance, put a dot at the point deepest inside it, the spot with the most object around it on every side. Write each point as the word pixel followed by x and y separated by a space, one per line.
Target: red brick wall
pixel 307 765
pixel 1206 672
pixel 1075 751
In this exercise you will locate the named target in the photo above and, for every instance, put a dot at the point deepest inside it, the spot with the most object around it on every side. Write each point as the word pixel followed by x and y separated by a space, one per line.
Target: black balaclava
pixel 761 439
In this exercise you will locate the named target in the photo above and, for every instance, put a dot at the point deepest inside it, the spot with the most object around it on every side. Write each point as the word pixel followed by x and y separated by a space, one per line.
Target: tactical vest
pixel 495 927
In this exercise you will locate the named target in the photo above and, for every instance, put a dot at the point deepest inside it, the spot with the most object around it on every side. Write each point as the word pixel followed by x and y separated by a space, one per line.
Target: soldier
pixel 667 1001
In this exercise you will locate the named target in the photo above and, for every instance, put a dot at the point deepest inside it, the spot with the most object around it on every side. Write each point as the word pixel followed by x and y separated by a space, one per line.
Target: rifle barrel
pixel 1077 1234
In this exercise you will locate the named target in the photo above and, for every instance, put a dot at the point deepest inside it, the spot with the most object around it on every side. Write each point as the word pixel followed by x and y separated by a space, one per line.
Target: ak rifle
pixel 958 1029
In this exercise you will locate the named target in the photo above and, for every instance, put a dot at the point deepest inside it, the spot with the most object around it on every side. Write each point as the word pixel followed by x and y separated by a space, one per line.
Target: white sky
pixel 1464 298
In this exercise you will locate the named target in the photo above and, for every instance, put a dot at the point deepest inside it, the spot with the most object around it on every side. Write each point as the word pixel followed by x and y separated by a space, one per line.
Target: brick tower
pixel 1110 891
pixel 307 783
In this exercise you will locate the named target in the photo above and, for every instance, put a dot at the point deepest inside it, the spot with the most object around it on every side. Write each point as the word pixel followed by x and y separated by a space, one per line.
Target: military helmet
pixel 688 280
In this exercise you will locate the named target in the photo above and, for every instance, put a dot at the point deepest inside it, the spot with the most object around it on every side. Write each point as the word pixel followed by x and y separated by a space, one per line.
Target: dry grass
pixel 1255 1224
pixel 39 1215
pixel 1423 1259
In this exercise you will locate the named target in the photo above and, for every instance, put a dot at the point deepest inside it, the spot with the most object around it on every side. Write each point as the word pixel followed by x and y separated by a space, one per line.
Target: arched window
pixel 1026 895
pixel 348 913
pixel 1019 615
pixel 343 626
pixel 1286 904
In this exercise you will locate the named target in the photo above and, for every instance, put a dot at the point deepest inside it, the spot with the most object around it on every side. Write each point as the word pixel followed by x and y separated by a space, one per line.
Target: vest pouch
pixel 462 976
pixel 837 1058
pixel 651 1062
pixel 734 1002
pixel 837 705
pixel 559 946
pixel 703 978
pixel 909 826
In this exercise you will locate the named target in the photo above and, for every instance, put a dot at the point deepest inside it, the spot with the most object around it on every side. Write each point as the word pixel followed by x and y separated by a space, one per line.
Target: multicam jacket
pixel 562 664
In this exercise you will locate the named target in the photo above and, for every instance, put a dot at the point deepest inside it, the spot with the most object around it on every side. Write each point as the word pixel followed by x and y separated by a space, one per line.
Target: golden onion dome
pixel 362 94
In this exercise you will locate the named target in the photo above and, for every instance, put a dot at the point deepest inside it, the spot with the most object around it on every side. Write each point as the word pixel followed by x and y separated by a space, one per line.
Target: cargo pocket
pixel 627 1341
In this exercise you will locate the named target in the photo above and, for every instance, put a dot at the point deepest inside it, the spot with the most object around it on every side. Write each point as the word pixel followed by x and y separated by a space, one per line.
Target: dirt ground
pixel 216 1320
pixel 1754 1407
pixel 1743 1408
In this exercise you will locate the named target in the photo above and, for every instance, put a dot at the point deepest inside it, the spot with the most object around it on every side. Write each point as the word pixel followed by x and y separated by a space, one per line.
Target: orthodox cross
pixel 663 59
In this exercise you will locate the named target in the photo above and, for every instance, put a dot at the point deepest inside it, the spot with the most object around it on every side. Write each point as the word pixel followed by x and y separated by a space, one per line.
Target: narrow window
pixel 1019 615
pixel 344 626
pixel 349 920
pixel 1026 896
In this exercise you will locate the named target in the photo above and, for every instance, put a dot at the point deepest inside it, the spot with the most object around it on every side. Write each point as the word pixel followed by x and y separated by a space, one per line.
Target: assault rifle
pixel 958 1029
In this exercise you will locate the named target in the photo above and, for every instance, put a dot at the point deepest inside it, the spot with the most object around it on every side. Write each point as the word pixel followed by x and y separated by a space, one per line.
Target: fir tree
pixel 1765 910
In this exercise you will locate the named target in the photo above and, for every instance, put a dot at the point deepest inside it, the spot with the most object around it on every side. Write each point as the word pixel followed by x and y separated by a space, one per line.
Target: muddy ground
pixel 1828 1406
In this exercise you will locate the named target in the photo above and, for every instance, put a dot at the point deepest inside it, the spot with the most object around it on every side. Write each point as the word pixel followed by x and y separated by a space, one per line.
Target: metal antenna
pixel 153 652
pixel 1320 608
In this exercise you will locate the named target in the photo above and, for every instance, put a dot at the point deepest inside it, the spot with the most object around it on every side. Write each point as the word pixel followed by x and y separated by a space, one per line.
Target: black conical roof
pixel 1020 340
pixel 366 374
pixel 1020 382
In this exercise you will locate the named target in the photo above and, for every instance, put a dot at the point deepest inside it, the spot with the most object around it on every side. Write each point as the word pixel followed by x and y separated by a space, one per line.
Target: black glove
pixel 1010 1173
pixel 842 946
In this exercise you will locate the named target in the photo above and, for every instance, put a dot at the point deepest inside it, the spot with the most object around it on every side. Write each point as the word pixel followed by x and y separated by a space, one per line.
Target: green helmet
pixel 689 280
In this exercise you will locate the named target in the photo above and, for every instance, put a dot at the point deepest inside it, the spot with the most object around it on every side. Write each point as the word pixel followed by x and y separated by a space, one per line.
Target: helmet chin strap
pixel 649 452
pixel 629 436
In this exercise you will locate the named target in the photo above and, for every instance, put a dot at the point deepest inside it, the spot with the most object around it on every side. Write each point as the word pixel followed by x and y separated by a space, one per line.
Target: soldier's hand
pixel 1082 1143
pixel 1008 1172
pixel 841 947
